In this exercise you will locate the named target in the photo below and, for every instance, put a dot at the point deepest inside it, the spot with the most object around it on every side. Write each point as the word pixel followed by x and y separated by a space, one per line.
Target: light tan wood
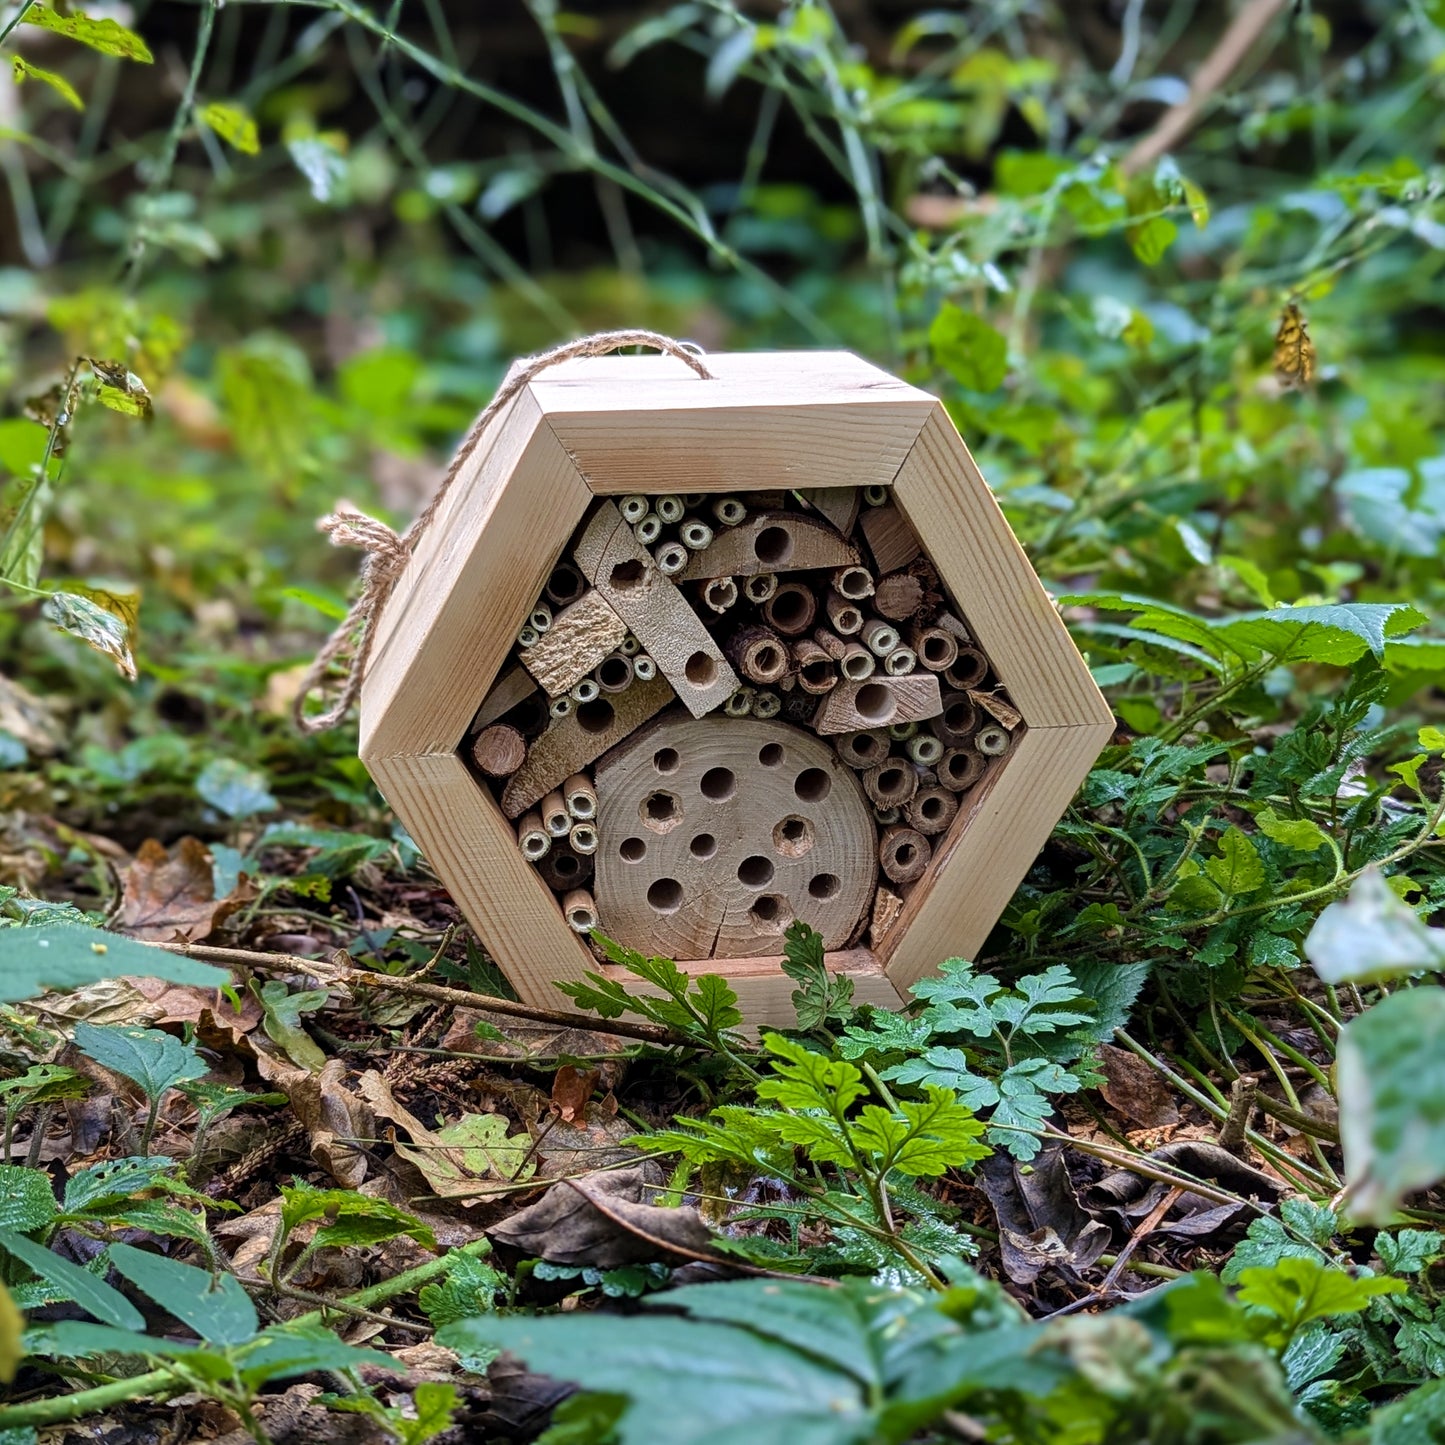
pixel 513 686
pixel 499 750
pixel 837 505
pixel 878 702
pixel 791 609
pixel 891 541
pixel 758 653
pixel 780 420
pixel 580 911
pixel 857 663
pixel 771 542
pixel 718 833
pixel 999 709
pixel 657 613
pixel 846 617
pixel 580 637
pixel 887 905
pixel 533 838
pixel 898 596
pixel 930 810
pixel 580 738
pixel 555 817
pixel 855 584
pixel 903 853
pixel 833 646
pixel 471 582
pixel 940 491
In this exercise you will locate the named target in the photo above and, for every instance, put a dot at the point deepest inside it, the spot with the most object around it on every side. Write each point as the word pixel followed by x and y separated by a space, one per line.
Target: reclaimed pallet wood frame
pixel 608 426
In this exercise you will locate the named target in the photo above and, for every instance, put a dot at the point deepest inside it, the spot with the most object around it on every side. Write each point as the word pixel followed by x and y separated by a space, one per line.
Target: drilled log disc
pixel 718 832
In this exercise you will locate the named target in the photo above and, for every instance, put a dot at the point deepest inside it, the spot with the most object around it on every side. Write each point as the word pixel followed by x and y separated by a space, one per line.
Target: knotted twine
pixel 387 551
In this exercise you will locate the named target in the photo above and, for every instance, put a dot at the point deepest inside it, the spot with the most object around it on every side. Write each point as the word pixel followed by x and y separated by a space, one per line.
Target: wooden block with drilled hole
pixel 580 637
pixel 891 542
pixel 580 738
pixel 513 686
pixel 878 702
pixel 772 542
pixel 658 614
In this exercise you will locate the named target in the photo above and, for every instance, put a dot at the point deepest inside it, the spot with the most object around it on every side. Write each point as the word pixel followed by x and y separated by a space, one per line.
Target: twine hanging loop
pixel 348 649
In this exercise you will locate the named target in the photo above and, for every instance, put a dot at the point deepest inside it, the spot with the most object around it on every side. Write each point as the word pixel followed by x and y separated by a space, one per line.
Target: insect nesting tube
pixel 541 618
pixel 900 662
pixel 634 509
pixel 903 854
pixel 891 783
pixel 671 558
pixel 925 748
pixel 758 653
pixel 791 609
pixel 740 704
pixel 583 837
pixel 966 670
pixel 720 593
pixel 992 741
pixel 649 529
pixel 729 511
pixel 960 768
pixel 862 749
pixel 584 690
pixel 817 672
pixel 580 796
pixel 760 586
pixel 564 869
pixel 765 704
pixel 644 669
pixel 561 706
pixel 581 911
pixel 566 585
pixel 857 662
pixel 555 817
pixel 669 508
pixel 696 535
pixel 844 617
pixel 533 838
pixel 614 673
pixel 879 638
pixel 931 810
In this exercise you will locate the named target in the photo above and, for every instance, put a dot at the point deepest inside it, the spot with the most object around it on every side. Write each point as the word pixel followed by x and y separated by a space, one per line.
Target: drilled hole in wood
pixel 768 911
pixel 773 545
pixel 596 716
pixel 793 836
pixel 823 885
pixel 813 785
pixel 628 575
pixel 770 755
pixel 666 760
pixel 700 670
pixel 665 895
pixel 875 704
pixel 704 846
pixel 755 872
pixel 632 850
pixel 718 784
pixel 661 811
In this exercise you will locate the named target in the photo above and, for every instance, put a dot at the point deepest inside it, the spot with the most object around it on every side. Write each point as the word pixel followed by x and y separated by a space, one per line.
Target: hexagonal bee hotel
pixel 687 659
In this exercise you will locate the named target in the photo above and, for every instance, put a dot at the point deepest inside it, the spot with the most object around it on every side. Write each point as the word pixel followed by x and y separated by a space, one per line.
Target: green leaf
pixel 89 1291
pixel 285 1351
pixel 234 789
pixel 27 1202
pixel 968 348
pixel 233 124
pixel 281 1012
pixel 101 1186
pixel 1372 935
pixel 820 995
pixel 216 1307
pixel 805 1079
pixel 106 36
pixel 922 1139
pixel 96 626
pixel 149 1057
pixel 75 1339
pixel 1296 1291
pixel 1303 835
pixel 23 70
pixel 1417 1419
pixel 1410 1250
pixel 1238 868
pixel 351 1218
pixel 1391 1086
pixel 1150 239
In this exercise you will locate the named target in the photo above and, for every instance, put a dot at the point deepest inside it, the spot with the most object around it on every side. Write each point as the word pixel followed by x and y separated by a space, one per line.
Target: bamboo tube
pixel 555 817
pixel 958 721
pixel 528 636
pixel 583 837
pixel 532 838
pixel 696 535
pixel 760 586
pixel 740 704
pixel 846 617
pixel 499 750
pixel 671 558
pixel 766 704
pixel 967 670
pixel 960 768
pixel 931 810
pixel 580 797
pixel 900 732
pixel 857 662
pixel 561 706
pixel 669 507
pixel 936 648
pixel 634 509
pixel 862 749
pixel 541 618
pixel 629 646
pixel 854 583
pixel 874 496
pixel 648 530
pixel 830 642
pixel 791 609
pixel 817 672
pixel 900 662
pixel 644 669
pixel 898 596
pixel 903 854
pixel 693 499
pixel 878 637
pixel 566 585
pixel 614 673
pixel 886 817
pixel 758 653
pixel 720 593
pixel 581 911
pixel 585 689
pixel 925 748
pixel 563 869
pixel 728 510
pixel 992 741
pixel 891 783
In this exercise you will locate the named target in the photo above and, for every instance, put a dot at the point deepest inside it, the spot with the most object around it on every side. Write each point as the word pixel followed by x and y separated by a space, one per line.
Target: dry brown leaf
pixel 571 1089
pixel 1136 1090
pixel 171 897
pixel 1294 352
pixel 331 1114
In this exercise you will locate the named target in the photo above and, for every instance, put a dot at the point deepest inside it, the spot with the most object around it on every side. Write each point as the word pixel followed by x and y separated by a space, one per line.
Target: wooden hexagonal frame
pixel 645 424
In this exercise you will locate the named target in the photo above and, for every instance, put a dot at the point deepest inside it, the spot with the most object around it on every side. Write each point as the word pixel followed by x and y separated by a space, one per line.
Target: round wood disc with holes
pixel 718 832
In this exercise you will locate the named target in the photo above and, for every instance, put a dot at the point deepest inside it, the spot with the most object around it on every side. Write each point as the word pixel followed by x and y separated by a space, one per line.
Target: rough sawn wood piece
pixel 772 542
pixel 580 637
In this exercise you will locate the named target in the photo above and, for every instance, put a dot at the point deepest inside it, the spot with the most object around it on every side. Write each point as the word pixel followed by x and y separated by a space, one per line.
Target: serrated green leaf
pixel 87 1290
pixel 23 70
pixel 27 1202
pixel 106 36
pixel 1304 835
pixel 1238 868
pixel 148 1057
pixel 1150 239
pixel 233 124
pixel 1296 1291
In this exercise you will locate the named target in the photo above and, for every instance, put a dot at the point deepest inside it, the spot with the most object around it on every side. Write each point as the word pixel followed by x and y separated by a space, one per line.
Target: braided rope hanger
pixel 388 551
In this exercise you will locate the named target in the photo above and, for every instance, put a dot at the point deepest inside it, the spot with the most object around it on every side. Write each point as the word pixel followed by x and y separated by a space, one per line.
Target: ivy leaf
pixel 1238 868
pixel 106 36
pixel 968 348
pixel 148 1057
pixel 233 124
pixel 23 70
pixel 1391 1084
pixel 281 1018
